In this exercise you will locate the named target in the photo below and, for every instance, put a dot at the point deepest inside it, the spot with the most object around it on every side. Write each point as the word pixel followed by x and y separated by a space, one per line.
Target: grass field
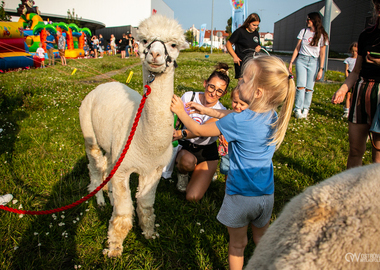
pixel 43 164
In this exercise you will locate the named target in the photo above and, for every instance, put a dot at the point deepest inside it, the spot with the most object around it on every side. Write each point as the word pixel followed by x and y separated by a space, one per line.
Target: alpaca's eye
pixel 145 41
pixel 174 45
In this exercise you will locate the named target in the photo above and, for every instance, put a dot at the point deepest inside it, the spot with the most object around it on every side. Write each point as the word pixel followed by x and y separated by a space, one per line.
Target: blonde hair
pixel 269 73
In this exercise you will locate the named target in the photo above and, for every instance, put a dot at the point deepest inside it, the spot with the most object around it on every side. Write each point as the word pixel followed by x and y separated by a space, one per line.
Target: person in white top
pixel 311 45
pixel 199 155
pixel 349 66
pixel 41 54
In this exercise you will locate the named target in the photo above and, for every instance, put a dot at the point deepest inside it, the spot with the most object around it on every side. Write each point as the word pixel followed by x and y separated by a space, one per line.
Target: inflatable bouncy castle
pixel 18 42
pixel 14 53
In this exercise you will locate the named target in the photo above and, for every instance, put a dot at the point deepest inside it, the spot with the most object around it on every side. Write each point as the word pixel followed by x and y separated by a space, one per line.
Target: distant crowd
pixel 97 46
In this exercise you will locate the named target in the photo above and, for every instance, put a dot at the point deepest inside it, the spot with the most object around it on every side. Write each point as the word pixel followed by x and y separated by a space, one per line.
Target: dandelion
pixel 20 206
pixel 15 247
pixel 62 216
pixel 157 225
pixel 47 233
pixel 198 224
pixel 39 244
pixel 35 233
pixel 14 201
pixel 61 224
pixel 202 231
pixel 21 216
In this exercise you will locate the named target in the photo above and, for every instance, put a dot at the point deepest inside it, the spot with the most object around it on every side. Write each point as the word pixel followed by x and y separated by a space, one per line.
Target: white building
pixel 110 13
pixel 266 39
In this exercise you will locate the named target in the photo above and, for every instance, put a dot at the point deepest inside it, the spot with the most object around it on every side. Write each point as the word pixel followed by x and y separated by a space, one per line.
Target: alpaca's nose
pixel 155 55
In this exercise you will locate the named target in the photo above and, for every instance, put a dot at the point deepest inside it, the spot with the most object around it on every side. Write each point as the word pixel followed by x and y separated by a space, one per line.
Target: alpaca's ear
pixel 184 46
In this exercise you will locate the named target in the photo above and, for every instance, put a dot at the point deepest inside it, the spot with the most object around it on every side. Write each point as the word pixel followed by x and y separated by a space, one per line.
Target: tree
pixel 73 18
pixel 3 15
pixel 189 36
pixel 229 26
pixel 269 43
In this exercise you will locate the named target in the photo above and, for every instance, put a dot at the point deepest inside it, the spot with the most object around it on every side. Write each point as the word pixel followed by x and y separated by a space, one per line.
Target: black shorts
pixel 201 152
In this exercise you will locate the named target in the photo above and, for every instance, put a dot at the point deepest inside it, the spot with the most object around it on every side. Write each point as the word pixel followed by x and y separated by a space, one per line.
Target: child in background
pixel 41 55
pixel 253 135
pixel 108 49
pixel 350 64
pixel 136 49
pixel 238 106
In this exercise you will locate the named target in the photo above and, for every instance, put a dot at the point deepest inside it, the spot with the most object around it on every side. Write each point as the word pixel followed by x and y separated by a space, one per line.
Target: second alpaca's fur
pixel 106 116
pixel 331 225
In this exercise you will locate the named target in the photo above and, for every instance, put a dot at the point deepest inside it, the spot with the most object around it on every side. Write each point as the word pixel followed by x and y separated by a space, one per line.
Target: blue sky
pixel 197 12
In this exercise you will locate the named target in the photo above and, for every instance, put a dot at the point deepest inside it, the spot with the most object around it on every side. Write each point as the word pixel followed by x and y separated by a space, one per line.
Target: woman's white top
pixel 200 118
pixel 306 48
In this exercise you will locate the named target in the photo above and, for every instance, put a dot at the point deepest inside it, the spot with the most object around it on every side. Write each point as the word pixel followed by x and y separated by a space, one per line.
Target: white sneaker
pixel 183 180
pixel 346 112
pixel 297 113
pixel 5 199
pixel 305 113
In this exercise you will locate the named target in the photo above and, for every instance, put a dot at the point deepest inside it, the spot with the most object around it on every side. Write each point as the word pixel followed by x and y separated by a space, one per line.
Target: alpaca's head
pixel 160 40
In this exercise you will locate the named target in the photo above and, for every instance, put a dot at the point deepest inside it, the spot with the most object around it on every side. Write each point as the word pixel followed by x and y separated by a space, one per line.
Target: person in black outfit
pixel 365 97
pixel 123 45
pixel 246 40
pixel 101 45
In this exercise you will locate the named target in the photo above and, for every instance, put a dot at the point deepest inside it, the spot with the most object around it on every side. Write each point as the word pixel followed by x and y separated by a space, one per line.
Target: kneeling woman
pixel 200 154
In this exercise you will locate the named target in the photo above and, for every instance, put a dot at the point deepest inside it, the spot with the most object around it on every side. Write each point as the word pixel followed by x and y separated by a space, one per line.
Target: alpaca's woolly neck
pixel 156 114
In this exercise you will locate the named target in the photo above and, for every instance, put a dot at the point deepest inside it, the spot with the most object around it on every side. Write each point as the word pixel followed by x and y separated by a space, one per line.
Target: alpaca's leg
pixel 97 165
pixel 122 216
pixel 145 200
pixel 109 185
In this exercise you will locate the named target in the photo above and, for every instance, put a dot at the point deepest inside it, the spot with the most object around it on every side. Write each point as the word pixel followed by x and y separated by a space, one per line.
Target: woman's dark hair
pixel 220 71
pixel 319 29
pixel 253 17
pixel 375 14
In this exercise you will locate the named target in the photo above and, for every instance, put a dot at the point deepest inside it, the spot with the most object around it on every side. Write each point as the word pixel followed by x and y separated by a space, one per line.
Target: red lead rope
pixel 133 130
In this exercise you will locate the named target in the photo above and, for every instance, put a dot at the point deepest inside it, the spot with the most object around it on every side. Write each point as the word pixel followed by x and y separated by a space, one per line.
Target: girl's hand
pixel 237 60
pixel 373 60
pixel 319 75
pixel 196 108
pixel 290 68
pixel 177 105
pixel 258 48
pixel 339 95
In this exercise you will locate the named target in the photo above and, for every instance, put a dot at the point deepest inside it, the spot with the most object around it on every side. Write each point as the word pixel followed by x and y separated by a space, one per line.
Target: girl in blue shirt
pixel 252 135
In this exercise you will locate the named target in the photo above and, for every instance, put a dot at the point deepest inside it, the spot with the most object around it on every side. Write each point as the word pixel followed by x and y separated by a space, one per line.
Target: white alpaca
pixel 106 116
pixel 332 225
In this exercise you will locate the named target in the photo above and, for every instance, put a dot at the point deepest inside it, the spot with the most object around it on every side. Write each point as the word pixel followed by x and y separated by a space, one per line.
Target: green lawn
pixel 43 164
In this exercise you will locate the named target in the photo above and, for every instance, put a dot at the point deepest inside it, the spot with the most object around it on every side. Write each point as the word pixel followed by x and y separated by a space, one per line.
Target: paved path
pixel 108 75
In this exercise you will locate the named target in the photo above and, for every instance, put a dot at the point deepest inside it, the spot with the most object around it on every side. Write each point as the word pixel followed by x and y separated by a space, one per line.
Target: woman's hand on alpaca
pixel 177 135
pixel 177 105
